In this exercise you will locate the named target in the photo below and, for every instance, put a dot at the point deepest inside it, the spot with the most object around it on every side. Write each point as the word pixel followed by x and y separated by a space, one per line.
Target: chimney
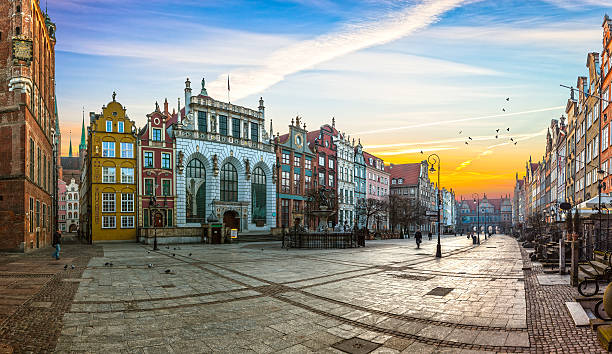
pixel 187 95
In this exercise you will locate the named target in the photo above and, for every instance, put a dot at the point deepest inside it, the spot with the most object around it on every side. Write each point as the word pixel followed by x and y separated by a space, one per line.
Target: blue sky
pixel 425 66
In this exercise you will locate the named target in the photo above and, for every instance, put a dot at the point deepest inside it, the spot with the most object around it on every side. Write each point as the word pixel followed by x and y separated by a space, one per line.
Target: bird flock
pixel 512 141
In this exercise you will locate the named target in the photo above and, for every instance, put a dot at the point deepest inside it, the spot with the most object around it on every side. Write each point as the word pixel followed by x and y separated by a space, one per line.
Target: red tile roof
pixel 409 172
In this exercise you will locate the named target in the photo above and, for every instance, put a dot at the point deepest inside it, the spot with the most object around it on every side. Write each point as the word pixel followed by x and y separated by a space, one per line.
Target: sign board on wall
pixel 234 233
pixel 22 49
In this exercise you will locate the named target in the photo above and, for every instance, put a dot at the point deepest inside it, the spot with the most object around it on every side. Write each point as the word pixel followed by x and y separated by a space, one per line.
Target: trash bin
pixel 474 240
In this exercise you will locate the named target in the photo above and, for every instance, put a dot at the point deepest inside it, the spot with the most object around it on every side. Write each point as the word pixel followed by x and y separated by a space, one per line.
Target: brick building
pixel 156 168
pixel 296 162
pixel 322 143
pixel 27 125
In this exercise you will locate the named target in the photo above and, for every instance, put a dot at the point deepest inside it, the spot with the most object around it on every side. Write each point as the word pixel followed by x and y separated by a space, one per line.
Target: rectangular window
pixel 202 121
pixel 156 134
pixel 127 175
pixel 236 127
pixel 331 163
pixel 120 127
pixel 109 126
pixel 285 187
pixel 297 185
pixel 297 161
pixel 308 164
pixel 285 212
pixel 38 165
pixel 169 217
pixel 145 217
pixel 307 182
pixel 321 178
pixel 148 159
pixel 108 149
pixel 285 160
pixel 166 187
pixel 165 160
pixel 32 159
pixel 31 214
pixel 331 180
pixel 127 203
pixel 108 222
pixel 223 125
pixel 322 161
pixel 127 222
pixel 148 186
pixel 108 174
pixel 108 202
pixel 127 150
pixel 255 132
pixel 44 182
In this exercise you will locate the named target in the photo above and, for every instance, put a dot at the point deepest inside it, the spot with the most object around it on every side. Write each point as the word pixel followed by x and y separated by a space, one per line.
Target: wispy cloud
pixel 357 36
pixel 415 151
pixel 463 165
pixel 460 120
pixel 575 4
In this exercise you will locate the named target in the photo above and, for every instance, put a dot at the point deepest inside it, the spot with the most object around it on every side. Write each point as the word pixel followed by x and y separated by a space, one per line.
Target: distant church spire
pixel 70 147
pixel 83 144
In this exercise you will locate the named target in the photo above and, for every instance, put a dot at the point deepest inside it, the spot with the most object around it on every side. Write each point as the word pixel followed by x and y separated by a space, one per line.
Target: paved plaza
pixel 258 298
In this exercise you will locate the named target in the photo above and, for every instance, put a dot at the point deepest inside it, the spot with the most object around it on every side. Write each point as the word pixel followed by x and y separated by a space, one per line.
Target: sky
pixel 407 78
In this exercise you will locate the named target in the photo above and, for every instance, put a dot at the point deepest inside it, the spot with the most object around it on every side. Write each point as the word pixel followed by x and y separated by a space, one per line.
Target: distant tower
pixel 83 144
pixel 70 146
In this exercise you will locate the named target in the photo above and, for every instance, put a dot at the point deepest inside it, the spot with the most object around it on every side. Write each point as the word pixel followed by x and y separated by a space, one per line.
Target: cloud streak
pixel 306 54
pixel 460 120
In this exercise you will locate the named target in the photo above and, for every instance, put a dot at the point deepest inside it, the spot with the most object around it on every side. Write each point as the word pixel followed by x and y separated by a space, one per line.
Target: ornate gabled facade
pixel 296 162
pixel 108 197
pixel 156 170
pixel 321 141
pixel 346 183
pixel 225 165
pixel 360 182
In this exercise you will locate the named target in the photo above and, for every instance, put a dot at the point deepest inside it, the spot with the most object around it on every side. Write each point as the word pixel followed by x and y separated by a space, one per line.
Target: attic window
pixel 115 114
pixel 17 31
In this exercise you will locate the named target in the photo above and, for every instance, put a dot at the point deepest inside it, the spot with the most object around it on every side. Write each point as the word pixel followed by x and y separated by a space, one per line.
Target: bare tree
pixel 369 208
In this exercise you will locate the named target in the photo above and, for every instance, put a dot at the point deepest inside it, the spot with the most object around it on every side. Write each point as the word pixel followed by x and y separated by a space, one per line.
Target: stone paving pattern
pixel 259 298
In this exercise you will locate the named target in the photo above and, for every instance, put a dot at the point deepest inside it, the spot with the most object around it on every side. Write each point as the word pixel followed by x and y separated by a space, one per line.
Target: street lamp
pixel 432 160
pixel 601 174
pixel 477 201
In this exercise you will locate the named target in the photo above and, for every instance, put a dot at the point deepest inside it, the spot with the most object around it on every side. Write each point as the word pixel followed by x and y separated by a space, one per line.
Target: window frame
pixel 107 203
pixel 106 176
pixel 127 202
pixel 109 217
pixel 108 149
pixel 127 149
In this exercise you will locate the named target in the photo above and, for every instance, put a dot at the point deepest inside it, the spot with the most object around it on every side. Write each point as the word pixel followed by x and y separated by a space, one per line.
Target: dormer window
pixel 120 127
pixel 109 126
pixel 156 134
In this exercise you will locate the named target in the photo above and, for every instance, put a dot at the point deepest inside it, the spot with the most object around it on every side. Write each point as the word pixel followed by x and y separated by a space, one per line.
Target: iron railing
pixel 320 240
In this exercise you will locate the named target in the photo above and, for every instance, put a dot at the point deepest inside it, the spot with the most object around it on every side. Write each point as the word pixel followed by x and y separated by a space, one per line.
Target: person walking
pixel 418 238
pixel 57 240
pixel 429 235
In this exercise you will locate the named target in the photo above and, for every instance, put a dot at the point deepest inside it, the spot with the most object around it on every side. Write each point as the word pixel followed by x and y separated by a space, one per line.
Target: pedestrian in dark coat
pixel 57 240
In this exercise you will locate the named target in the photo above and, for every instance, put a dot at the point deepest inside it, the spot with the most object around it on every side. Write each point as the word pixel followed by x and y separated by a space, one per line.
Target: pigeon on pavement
pixel 150 265
pixel 167 271
pixel 72 266
pixel 66 267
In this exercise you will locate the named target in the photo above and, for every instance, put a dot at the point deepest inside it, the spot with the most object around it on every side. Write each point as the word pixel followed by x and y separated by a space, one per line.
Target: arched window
pixel 258 194
pixel 69 215
pixel 195 169
pixel 229 183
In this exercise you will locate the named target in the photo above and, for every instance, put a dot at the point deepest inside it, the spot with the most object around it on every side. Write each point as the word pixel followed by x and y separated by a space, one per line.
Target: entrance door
pixel 231 220
pixel 158 219
pixel 201 203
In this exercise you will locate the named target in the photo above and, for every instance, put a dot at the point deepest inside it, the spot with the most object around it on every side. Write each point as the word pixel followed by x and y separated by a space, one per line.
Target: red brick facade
pixel 27 121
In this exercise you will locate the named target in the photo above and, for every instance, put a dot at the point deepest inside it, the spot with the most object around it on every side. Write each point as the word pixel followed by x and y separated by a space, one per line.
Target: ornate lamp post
pixel 477 201
pixel 432 160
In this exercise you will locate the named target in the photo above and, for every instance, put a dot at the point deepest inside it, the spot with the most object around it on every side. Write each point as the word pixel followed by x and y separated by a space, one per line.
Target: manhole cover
pixel 356 346
pixel 439 291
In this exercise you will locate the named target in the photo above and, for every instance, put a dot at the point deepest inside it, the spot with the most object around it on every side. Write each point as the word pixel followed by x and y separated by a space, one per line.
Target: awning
pixel 594 203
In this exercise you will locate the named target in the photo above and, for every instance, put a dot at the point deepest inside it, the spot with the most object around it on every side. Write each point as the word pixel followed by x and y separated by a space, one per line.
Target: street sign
pixel 234 233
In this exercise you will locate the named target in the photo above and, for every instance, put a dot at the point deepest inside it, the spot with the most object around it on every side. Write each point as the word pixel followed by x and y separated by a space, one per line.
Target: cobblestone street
pixel 256 297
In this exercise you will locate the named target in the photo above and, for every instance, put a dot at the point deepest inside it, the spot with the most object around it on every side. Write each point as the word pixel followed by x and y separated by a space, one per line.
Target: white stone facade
pixel 199 135
pixel 346 184
pixel 72 206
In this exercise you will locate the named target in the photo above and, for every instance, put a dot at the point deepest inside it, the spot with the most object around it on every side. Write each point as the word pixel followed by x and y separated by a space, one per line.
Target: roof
pixel 282 139
pixel 71 163
pixel 409 172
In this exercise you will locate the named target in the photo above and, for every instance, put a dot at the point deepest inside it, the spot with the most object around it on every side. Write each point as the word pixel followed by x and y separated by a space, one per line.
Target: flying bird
pixel 507 129
pixel 460 131
pixel 421 151
pixel 503 109
pixel 515 142
pixel 466 143
pixel 507 98
pixel 511 139
pixel 496 136
pixel 497 130
pixel 469 137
